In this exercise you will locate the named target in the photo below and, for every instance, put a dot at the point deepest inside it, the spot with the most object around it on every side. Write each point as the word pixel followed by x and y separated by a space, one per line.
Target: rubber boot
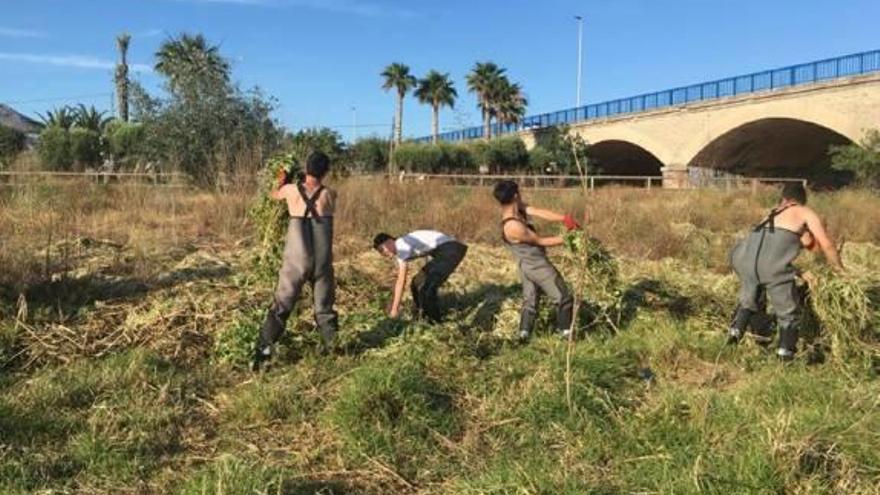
pixel 261 356
pixel 739 325
pixel 788 337
pixel 526 323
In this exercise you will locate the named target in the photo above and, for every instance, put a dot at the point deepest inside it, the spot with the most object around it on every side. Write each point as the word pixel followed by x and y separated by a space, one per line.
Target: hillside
pixel 11 118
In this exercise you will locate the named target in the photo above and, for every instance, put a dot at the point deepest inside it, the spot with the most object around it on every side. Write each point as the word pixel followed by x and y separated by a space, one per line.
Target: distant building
pixel 12 119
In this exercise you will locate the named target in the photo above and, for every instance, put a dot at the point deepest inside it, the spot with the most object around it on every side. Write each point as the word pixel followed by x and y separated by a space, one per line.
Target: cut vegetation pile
pixel 117 381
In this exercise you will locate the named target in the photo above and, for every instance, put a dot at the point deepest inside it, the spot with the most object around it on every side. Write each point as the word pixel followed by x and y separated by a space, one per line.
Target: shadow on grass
pixel 482 305
pixel 70 295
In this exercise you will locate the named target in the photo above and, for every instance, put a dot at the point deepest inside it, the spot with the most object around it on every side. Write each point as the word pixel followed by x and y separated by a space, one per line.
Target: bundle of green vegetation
pixel 847 307
pixel 270 217
pixel 592 267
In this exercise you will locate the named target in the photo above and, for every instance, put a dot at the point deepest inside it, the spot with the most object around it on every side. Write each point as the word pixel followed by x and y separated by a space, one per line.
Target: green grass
pixel 661 405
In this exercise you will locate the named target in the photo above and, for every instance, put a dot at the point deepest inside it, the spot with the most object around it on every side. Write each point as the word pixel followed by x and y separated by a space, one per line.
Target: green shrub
pixel 369 155
pixel 12 142
pixel 235 343
pixel 557 145
pixel 501 155
pixel 85 147
pixel 126 141
pixel 55 148
pixel 862 160
pixel 433 159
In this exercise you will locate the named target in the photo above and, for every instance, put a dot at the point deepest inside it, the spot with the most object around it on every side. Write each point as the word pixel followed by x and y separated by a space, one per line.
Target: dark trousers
pixel 425 286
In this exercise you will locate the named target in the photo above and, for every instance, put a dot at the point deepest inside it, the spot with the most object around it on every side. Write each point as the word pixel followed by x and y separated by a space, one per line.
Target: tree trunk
pixel 487 129
pixel 435 123
pixel 399 137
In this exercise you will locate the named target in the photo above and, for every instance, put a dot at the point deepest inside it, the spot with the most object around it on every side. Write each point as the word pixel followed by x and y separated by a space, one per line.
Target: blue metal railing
pixel 795 75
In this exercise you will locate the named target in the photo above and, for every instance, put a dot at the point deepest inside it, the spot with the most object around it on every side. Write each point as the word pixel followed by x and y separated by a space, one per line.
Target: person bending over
pixel 445 255
pixel 763 263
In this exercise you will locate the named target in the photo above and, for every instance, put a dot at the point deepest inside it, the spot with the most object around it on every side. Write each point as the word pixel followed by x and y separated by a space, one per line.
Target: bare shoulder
pixel 283 192
pixel 807 213
pixel 514 230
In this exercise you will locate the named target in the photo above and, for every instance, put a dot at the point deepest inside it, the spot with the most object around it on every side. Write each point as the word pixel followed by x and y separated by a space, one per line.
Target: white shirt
pixel 419 243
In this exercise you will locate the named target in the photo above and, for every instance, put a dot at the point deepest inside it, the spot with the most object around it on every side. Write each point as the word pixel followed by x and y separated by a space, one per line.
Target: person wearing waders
pixel 537 274
pixel 445 255
pixel 763 263
pixel 307 257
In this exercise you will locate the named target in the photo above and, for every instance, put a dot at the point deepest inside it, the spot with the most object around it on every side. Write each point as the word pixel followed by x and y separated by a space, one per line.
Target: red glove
pixel 570 223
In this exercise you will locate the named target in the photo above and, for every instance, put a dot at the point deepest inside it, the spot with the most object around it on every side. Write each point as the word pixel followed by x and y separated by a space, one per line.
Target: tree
pixel 483 81
pixel 192 66
pixel 12 142
pixel 863 161
pixel 207 127
pixel 397 77
pixel 85 147
pixel 54 148
pixel 121 76
pixel 437 90
pixel 90 118
pixel 507 102
pixel 555 149
pixel 305 141
pixel 63 118
pixel 369 155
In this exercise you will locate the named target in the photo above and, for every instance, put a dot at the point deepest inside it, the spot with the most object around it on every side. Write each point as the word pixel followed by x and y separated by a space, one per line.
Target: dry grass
pixel 118 381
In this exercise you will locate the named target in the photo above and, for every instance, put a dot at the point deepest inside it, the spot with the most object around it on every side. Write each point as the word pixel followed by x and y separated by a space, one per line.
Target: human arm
pixel 518 233
pixel 820 235
pixel 394 309
pixel 552 216
pixel 277 192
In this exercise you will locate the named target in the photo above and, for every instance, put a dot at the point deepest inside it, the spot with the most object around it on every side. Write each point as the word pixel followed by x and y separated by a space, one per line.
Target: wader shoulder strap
pixel 514 219
pixel 310 202
pixel 769 221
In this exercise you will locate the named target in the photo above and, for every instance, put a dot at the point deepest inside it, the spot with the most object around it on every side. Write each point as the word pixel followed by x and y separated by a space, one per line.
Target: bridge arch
pixel 780 146
pixel 621 157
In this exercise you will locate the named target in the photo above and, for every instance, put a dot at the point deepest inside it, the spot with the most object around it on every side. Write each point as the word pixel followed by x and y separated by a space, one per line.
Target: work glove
pixel 570 223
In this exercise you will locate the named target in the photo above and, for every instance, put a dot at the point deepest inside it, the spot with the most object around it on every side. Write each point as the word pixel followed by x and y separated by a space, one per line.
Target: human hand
pixel 281 177
pixel 570 223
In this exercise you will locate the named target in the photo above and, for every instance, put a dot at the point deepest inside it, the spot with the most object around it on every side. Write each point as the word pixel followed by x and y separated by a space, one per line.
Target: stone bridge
pixel 778 122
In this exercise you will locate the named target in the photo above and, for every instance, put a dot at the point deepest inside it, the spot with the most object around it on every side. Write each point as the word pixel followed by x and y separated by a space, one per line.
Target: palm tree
pixel 397 76
pixel 90 118
pixel 508 103
pixel 437 90
pixel 191 64
pixel 63 117
pixel 121 79
pixel 483 80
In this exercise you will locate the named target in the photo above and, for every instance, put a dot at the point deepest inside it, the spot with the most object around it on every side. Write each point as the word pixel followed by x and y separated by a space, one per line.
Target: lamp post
pixel 580 21
pixel 354 122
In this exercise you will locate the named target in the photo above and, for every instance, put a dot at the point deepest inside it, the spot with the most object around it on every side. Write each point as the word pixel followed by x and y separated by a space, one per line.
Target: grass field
pixel 127 314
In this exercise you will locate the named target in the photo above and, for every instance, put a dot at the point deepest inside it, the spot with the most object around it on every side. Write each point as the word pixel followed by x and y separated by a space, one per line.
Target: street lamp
pixel 580 21
pixel 354 122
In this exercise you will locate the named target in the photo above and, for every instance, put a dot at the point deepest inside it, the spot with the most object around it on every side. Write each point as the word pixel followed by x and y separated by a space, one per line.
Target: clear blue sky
pixel 322 57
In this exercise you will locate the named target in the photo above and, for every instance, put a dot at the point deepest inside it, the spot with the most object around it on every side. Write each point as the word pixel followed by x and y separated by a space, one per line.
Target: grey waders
pixel 762 261
pixel 445 258
pixel 307 257
pixel 539 276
